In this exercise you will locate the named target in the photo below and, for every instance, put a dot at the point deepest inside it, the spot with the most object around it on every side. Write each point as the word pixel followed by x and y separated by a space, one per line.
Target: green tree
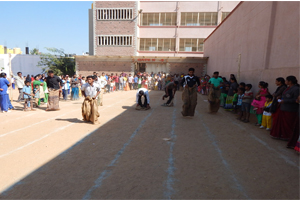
pixel 35 52
pixel 57 61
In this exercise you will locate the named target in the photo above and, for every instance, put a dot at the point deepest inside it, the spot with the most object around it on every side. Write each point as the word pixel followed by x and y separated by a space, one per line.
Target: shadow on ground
pixel 72 173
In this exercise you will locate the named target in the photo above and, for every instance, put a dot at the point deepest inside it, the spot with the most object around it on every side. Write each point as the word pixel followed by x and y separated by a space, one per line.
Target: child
pixel 267 116
pixel 260 100
pixel 246 103
pixel 240 93
pixel 235 100
pixel 242 85
pixel 28 96
pixel 36 92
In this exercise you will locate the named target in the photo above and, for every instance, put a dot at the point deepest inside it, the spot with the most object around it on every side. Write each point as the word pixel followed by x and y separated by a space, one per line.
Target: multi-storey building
pixel 5 50
pixel 151 36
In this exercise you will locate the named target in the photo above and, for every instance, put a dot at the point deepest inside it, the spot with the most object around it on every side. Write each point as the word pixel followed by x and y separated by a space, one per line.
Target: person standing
pixel 41 89
pixel 130 81
pixel 20 82
pixel 116 78
pixel 102 83
pixel 90 92
pixel 4 84
pixel 189 95
pixel 140 105
pixel 121 82
pixel 286 125
pixel 54 84
pixel 214 92
pixel 75 89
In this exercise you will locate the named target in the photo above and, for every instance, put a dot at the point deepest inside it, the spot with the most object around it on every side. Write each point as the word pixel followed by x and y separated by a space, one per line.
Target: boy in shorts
pixel 28 96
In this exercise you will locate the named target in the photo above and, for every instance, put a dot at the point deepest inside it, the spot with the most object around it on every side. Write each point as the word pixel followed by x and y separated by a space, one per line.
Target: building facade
pixel 147 30
pixel 258 41
pixel 5 50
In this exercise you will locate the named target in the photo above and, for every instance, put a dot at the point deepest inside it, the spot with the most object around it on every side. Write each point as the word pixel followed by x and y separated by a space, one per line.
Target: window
pixel 224 15
pixel 158 19
pixel 114 14
pixel 157 44
pixel 115 40
pixel 199 19
pixel 191 44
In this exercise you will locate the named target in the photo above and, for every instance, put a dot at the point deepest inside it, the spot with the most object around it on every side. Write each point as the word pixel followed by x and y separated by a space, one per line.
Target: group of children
pixel 31 97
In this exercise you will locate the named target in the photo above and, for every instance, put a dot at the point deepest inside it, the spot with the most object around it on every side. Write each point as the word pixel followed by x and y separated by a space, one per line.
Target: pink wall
pixel 266 34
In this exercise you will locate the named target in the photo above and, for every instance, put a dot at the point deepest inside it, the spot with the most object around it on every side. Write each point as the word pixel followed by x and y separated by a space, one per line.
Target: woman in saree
pixel 286 126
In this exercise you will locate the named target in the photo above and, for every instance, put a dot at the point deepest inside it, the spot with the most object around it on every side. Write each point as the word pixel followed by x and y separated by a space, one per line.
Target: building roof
pixel 224 19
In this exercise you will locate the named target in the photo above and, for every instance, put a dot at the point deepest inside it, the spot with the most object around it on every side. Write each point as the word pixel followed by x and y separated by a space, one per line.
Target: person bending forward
pixel 189 95
pixel 170 92
pixel 140 93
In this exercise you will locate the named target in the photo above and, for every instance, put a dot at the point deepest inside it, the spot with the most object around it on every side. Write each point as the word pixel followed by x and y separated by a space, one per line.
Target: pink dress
pixel 260 103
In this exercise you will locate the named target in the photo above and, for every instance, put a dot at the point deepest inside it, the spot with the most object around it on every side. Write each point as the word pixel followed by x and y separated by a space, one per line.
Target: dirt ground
pixel 54 155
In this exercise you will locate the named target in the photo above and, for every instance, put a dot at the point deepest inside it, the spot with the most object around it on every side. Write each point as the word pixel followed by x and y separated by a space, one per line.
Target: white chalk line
pixel 218 149
pixel 106 173
pixel 171 169
pixel 35 124
pixel 264 143
pixel 39 139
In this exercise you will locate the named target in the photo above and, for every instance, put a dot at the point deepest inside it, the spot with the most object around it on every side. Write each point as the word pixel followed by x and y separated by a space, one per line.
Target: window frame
pixel 173 16
pixel 198 20
pixel 198 44
pixel 115 40
pixel 156 45
pixel 106 14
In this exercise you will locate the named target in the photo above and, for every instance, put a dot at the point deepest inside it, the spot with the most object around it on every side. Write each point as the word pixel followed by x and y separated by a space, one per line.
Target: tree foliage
pixel 57 61
pixel 35 52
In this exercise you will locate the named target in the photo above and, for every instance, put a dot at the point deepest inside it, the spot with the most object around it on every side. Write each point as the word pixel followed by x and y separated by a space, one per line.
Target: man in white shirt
pixel 102 82
pixel 140 93
pixel 20 82
pixel 130 81
pixel 90 92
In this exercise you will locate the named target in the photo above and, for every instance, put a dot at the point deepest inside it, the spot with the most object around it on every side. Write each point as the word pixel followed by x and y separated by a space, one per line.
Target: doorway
pixel 141 67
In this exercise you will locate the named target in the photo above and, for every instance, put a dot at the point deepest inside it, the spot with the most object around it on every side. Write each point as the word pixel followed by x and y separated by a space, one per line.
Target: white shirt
pixel 102 81
pixel 130 79
pixel 19 81
pixel 146 93
pixel 89 90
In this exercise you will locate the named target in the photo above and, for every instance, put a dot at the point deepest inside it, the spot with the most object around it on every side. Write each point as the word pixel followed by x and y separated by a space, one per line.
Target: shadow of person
pixel 72 120
pixel 127 107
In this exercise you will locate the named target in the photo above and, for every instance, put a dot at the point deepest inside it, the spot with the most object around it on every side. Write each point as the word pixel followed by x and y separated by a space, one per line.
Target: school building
pixel 150 36
pixel 258 41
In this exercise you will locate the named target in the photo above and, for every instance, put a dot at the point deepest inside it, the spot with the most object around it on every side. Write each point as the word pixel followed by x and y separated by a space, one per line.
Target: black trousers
pixel 140 101
pixel 170 92
pixel 130 86
pixel 117 86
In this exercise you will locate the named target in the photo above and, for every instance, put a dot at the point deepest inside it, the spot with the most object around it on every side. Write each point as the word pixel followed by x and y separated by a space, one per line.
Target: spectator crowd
pixel 276 112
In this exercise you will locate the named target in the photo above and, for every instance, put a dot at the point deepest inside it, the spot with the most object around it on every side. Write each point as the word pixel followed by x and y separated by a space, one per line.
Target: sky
pixel 40 24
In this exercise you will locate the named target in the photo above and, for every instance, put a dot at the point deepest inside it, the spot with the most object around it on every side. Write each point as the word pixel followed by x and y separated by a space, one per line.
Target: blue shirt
pixel 136 79
pixel 106 77
pixel 3 85
pixel 27 89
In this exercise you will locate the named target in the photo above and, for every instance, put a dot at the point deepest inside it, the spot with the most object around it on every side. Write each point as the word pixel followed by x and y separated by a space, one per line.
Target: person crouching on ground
pixel 140 93
pixel 90 92
pixel 189 95
pixel 170 90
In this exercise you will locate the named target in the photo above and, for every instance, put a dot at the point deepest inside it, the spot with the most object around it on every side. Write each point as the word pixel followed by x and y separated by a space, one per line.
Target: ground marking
pixel 214 143
pixel 30 143
pixel 106 173
pixel 171 169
